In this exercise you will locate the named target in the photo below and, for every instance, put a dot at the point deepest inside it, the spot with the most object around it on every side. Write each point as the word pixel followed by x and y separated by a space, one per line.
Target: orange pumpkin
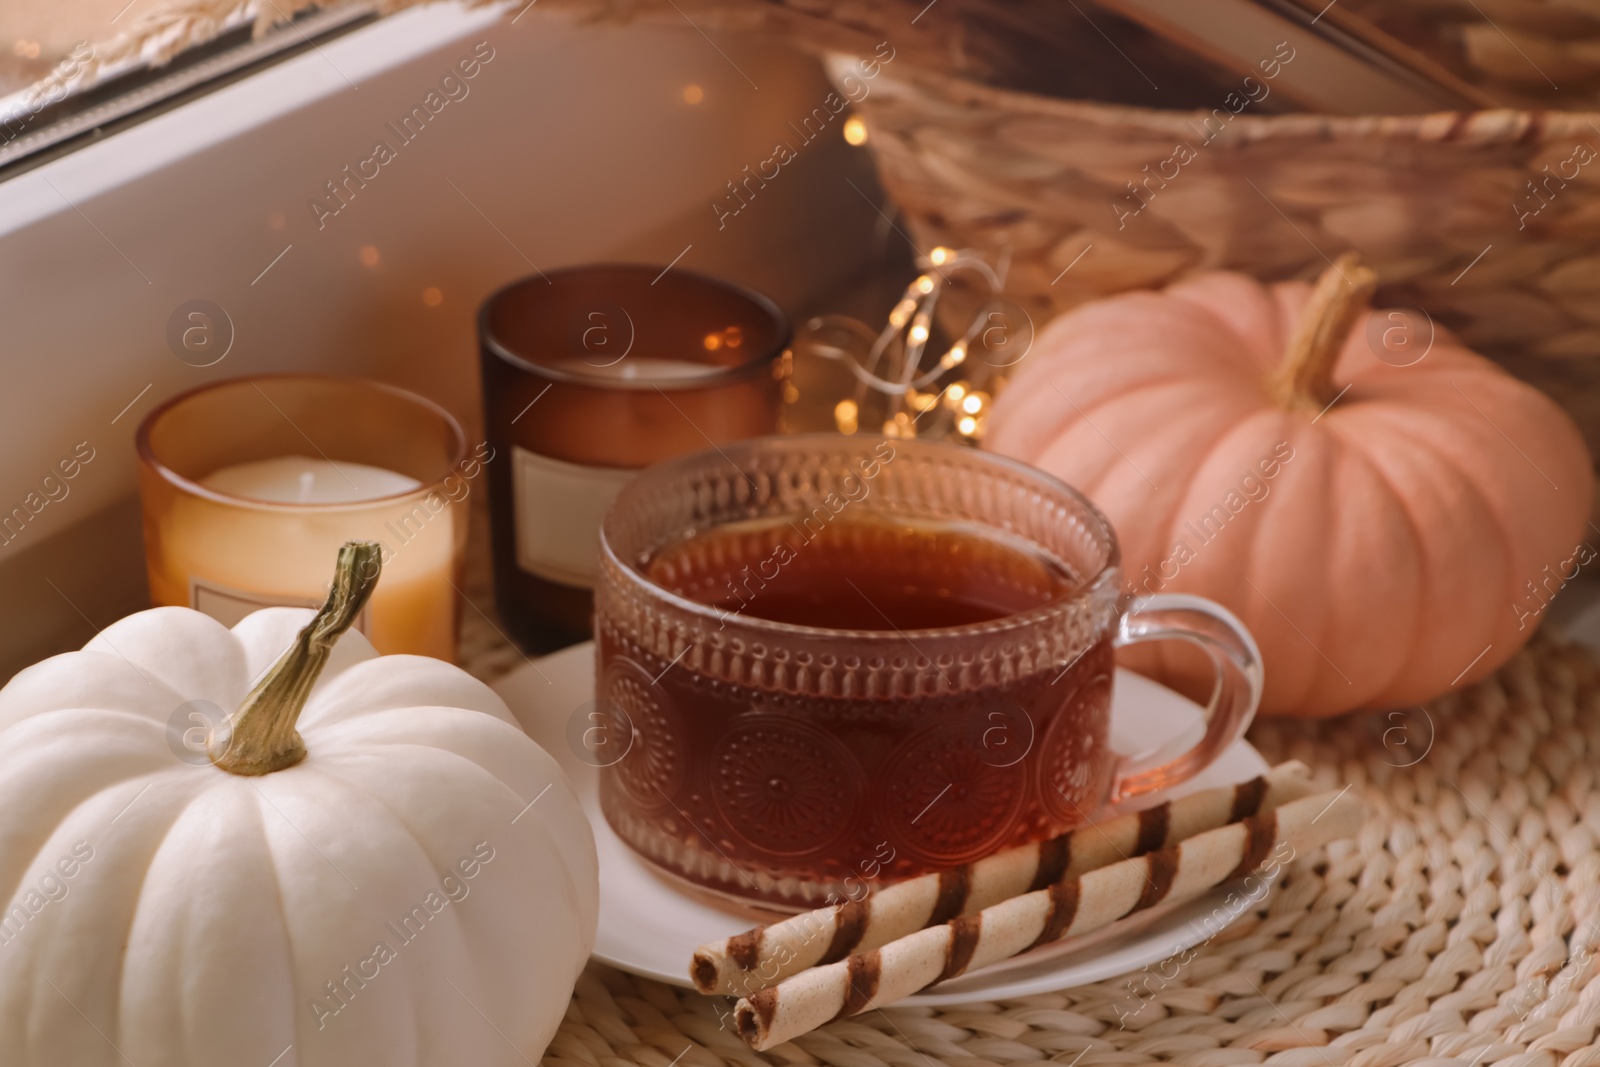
pixel 1388 532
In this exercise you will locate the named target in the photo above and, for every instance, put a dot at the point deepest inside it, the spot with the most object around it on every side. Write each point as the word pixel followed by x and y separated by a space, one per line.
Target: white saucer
pixel 649 926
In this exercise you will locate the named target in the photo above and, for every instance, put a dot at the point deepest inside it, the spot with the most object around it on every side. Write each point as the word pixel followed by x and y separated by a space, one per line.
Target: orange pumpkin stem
pixel 1304 380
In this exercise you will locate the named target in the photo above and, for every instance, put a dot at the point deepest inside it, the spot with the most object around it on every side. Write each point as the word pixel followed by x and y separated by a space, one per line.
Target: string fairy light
pixel 893 365
pixel 845 414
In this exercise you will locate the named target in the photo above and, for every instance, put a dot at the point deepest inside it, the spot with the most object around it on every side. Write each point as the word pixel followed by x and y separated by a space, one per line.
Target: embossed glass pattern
pixel 794 764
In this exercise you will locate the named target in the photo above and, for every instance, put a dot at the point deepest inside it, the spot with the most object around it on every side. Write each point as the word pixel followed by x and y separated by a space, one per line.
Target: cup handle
pixel 1234 696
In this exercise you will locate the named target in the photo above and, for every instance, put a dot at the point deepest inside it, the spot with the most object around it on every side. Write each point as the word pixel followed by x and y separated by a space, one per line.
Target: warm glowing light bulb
pixel 845 414
pixel 855 131
pixel 432 296
pixel 940 256
pixel 924 285
pixel 919 334
pixel 967 425
pixel 693 94
pixel 902 312
pixel 900 426
pixel 953 395
pixel 953 358
pixel 712 341
pixel 973 403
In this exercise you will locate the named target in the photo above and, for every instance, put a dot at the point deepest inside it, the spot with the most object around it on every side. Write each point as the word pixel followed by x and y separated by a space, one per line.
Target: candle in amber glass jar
pixel 590 374
pixel 249 487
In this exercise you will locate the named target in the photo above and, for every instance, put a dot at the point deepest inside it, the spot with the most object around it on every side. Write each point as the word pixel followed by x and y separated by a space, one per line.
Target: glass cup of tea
pixel 834 660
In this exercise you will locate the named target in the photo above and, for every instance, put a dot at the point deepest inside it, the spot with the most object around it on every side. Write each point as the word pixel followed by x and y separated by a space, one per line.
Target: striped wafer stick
pixel 766 955
pixel 1184 871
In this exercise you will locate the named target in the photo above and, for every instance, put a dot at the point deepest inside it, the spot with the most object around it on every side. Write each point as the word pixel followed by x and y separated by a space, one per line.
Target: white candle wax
pixel 642 368
pixel 228 559
pixel 302 480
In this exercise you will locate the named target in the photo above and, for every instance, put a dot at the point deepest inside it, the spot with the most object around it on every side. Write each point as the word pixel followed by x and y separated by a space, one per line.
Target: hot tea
pixel 826 661
pixel 857 782
pixel 860 575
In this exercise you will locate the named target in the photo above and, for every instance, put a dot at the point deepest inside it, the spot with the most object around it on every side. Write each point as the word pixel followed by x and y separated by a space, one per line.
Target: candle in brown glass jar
pixel 590 374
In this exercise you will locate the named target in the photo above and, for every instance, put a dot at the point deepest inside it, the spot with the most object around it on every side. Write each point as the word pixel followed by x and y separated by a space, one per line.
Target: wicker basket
pixel 1441 205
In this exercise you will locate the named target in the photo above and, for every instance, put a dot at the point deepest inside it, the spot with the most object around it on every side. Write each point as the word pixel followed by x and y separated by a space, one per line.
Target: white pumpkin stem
pixel 261 737
pixel 1304 380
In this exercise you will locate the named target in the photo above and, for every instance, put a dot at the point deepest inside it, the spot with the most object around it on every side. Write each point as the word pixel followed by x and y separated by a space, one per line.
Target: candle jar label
pixel 229 606
pixel 558 509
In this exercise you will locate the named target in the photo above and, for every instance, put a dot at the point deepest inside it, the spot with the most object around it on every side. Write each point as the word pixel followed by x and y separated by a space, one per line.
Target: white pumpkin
pixel 419 889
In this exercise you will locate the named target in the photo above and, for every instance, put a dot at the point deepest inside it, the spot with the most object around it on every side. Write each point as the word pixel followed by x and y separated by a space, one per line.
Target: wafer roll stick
pixel 766 955
pixel 1072 908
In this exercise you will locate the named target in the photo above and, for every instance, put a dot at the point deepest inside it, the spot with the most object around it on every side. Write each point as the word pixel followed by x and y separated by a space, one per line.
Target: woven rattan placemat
pixel 1461 927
